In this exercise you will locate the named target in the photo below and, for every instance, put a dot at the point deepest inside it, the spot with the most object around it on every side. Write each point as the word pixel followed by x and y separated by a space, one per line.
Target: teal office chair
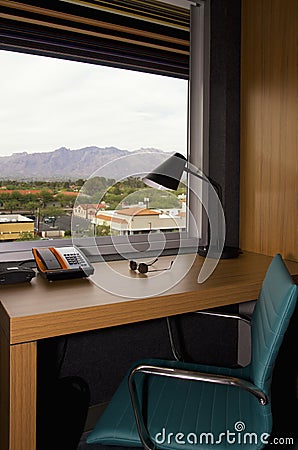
pixel 170 405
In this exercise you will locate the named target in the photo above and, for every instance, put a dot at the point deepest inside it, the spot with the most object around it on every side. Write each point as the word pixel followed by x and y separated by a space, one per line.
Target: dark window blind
pixel 148 36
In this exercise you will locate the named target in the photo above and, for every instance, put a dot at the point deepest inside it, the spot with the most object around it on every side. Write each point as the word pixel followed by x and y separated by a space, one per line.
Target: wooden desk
pixel 40 309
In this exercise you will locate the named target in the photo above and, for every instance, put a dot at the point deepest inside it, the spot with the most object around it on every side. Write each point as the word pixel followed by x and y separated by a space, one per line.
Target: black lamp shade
pixel 168 174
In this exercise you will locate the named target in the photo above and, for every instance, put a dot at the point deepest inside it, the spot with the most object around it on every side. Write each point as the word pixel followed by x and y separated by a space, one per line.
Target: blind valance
pixel 148 36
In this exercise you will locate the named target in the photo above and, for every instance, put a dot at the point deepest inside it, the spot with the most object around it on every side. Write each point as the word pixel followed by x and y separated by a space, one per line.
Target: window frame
pixel 198 138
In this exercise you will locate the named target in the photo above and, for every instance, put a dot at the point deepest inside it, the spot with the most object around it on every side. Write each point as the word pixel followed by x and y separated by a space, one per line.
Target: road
pixel 64 223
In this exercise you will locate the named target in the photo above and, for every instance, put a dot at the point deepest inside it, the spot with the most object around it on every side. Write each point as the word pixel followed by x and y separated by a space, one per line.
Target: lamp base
pixel 227 252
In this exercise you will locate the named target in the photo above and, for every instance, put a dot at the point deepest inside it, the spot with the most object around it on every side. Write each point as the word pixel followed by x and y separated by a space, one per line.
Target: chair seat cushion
pixel 215 414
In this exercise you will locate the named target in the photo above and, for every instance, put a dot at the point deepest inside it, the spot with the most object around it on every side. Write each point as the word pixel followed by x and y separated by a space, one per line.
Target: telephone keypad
pixel 75 258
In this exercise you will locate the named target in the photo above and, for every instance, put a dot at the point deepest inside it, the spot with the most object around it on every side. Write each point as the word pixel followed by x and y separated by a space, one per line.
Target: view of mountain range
pixel 64 164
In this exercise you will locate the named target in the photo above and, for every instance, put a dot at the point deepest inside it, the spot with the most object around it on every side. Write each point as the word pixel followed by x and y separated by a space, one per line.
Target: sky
pixel 47 103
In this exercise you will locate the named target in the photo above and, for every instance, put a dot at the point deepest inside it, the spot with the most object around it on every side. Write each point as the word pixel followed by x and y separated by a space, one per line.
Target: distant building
pixel 136 220
pixel 12 226
pixel 88 210
pixel 68 193
pixel 51 234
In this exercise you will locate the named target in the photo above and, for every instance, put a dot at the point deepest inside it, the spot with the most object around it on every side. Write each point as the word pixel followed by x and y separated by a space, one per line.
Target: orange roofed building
pixel 24 191
pixel 137 220
pixel 88 210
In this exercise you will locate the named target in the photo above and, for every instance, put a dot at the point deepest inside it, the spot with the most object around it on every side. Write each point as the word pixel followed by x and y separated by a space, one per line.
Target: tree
pixel 64 199
pixel 11 205
pixel 97 185
pixel 103 230
pixel 16 195
pixel 46 196
pixel 80 182
pixel 31 206
pixel 5 196
pixel 26 236
pixel 66 184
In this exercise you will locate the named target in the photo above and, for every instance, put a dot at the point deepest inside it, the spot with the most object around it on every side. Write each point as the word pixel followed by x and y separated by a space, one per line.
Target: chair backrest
pixel 271 317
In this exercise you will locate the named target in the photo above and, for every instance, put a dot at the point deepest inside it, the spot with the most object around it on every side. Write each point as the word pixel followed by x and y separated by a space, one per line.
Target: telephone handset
pixel 62 263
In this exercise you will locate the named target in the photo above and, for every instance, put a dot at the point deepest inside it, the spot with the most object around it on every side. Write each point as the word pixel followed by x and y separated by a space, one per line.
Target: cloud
pixel 47 103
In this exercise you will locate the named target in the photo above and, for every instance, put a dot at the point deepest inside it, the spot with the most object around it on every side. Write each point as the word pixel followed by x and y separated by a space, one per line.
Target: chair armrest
pixel 176 353
pixel 186 375
pixel 241 317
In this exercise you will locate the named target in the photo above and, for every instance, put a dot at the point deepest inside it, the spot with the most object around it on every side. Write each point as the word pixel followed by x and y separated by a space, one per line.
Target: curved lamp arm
pixel 213 208
pixel 216 185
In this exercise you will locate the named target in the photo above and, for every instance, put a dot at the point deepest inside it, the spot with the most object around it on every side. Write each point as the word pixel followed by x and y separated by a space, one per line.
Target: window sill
pixel 107 248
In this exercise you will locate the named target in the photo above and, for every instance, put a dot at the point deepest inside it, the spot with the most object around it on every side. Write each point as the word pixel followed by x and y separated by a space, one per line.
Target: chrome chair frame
pixel 176 353
pixel 164 371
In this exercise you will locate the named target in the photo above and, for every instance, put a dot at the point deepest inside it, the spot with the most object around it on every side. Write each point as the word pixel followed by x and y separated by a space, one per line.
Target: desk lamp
pixel 167 176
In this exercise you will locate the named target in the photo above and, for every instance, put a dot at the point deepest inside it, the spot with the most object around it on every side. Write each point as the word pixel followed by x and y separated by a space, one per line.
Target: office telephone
pixel 62 263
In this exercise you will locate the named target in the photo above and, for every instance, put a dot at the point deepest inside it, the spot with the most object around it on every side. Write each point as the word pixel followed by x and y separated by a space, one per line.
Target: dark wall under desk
pixel 102 357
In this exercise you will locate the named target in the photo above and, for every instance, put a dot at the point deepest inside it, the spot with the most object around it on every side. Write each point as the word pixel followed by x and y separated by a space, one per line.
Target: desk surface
pixel 40 309
pixel 29 312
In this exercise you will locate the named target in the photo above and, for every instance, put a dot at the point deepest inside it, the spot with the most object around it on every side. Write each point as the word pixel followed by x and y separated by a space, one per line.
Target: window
pixel 75 138
pixel 63 109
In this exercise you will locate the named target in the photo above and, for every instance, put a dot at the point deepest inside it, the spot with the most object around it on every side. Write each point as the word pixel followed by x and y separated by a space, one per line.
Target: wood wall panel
pixel 268 155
